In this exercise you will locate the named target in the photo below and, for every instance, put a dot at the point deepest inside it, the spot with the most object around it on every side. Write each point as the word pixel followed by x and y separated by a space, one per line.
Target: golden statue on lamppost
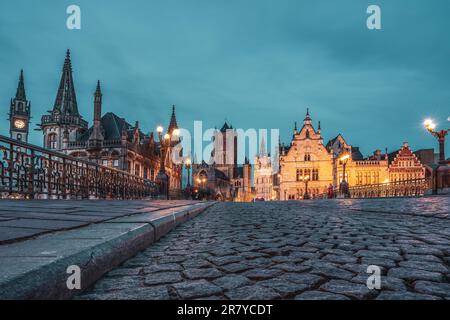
pixel 441 173
pixel 440 135
pixel 162 179
pixel 343 186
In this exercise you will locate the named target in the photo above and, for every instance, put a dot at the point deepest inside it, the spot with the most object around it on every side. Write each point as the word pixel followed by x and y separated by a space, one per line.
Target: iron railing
pixel 28 171
pixel 404 188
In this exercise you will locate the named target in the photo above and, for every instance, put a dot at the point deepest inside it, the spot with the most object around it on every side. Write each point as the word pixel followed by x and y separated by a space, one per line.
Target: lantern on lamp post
pixel 442 164
pixel 440 135
pixel 305 179
pixel 343 186
pixel 162 178
pixel 188 168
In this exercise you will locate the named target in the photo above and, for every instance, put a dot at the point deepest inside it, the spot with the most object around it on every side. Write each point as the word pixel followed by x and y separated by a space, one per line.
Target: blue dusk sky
pixel 255 63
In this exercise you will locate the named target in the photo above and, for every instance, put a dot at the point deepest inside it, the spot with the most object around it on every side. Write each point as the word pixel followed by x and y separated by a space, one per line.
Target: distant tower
pixel 63 124
pixel 20 113
pixel 96 137
pixel 173 122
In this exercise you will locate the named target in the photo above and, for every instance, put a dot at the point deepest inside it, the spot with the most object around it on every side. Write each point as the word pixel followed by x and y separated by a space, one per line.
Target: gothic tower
pixel 20 113
pixel 63 124
pixel 173 122
pixel 96 137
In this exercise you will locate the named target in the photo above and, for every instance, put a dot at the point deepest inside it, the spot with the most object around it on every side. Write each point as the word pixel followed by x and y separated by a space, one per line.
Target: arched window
pixel 52 141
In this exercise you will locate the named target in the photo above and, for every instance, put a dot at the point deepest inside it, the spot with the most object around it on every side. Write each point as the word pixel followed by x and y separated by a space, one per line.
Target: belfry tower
pixel 20 113
pixel 64 123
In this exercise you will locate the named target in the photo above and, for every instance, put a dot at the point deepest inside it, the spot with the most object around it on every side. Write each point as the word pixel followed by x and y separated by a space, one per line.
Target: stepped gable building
pixel 20 113
pixel 110 141
pixel 404 165
pixel 306 158
pixel 222 176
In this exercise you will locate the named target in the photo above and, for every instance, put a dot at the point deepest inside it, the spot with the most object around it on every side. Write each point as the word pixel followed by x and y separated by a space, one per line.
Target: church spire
pixel 173 121
pixel 96 136
pixel 262 148
pixel 20 94
pixel 66 100
pixel 307 120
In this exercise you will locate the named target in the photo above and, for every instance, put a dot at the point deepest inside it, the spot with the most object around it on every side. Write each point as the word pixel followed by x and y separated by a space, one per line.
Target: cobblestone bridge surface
pixel 295 250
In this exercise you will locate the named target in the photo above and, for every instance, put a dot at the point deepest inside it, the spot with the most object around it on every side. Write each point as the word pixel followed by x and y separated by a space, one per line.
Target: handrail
pixel 29 171
pixel 401 188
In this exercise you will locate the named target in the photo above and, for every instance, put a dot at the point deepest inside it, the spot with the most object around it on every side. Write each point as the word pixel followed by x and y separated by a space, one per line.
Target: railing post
pixel 64 179
pixel 31 176
pixel 96 182
pixel 49 176
pixel 11 167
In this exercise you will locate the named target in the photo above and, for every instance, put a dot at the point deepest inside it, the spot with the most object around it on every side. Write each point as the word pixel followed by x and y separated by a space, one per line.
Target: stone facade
pixel 20 113
pixel 222 176
pixel 111 141
pixel 306 157
pixel 264 175
pixel 405 166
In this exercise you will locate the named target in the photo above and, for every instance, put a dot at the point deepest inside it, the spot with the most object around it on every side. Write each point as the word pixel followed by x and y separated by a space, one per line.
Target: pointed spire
pixel 20 94
pixel 295 127
pixel 318 127
pixel 307 118
pixel 262 148
pixel 96 136
pixel 173 121
pixel 66 100
pixel 98 102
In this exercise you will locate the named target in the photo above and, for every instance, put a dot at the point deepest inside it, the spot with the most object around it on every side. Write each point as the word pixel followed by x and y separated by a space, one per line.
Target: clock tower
pixel 19 115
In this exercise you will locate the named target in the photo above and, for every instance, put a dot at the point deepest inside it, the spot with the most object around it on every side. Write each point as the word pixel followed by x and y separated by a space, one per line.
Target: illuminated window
pixel 51 141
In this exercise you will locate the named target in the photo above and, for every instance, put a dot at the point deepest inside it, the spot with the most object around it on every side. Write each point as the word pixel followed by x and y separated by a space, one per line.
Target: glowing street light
pixel 188 168
pixel 440 135
pixel 344 184
pixel 305 179
pixel 162 177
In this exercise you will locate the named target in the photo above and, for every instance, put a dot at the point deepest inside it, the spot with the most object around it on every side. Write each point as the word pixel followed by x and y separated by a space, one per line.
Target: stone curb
pixel 45 276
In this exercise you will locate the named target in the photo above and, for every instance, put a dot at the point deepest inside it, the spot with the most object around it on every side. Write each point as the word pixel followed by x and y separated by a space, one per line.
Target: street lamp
pixel 162 179
pixel 305 179
pixel 343 186
pixel 440 135
pixel 188 168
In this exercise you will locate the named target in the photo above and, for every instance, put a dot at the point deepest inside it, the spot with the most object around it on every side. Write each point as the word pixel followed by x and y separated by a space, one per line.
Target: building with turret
pixel 306 166
pixel 20 113
pixel 264 175
pixel 110 141
pixel 222 176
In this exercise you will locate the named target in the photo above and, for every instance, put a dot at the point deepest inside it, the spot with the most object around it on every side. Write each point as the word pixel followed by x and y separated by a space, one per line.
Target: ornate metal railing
pixel 404 188
pixel 28 171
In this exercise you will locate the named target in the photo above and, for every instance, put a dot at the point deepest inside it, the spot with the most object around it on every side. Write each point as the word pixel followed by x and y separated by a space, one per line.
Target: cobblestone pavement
pixel 295 250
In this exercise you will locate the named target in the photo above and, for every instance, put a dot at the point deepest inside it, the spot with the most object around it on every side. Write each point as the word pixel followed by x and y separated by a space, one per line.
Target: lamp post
pixel 343 186
pixel 162 178
pixel 188 168
pixel 440 135
pixel 305 179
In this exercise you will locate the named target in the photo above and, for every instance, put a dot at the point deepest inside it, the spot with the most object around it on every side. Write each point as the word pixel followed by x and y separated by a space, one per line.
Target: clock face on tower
pixel 19 124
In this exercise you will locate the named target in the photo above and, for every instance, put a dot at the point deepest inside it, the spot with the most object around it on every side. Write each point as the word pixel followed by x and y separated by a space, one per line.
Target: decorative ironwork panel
pixel 28 171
